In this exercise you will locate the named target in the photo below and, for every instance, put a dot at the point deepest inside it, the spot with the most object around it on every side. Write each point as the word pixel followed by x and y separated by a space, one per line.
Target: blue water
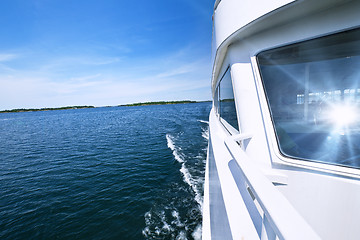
pixel 103 173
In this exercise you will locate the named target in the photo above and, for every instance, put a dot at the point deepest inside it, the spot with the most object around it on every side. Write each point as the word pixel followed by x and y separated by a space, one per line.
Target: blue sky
pixel 106 52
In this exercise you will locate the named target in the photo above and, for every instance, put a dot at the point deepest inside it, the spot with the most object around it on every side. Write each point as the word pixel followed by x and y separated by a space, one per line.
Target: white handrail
pixel 240 137
pixel 284 220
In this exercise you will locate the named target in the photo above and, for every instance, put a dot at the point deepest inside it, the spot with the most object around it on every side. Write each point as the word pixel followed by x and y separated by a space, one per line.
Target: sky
pixel 57 53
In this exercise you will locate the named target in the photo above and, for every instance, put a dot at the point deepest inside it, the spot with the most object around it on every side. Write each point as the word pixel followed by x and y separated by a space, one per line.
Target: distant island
pixel 81 107
pixel 44 109
pixel 157 103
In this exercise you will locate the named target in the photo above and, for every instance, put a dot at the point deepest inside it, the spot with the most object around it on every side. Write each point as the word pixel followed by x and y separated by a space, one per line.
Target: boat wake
pixel 180 217
pixel 188 178
pixel 160 224
pixel 205 133
pixel 170 144
pixel 202 121
pixel 205 130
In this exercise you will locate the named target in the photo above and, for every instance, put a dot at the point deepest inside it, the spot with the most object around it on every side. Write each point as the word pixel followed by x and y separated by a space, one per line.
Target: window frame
pixel 276 154
pixel 228 127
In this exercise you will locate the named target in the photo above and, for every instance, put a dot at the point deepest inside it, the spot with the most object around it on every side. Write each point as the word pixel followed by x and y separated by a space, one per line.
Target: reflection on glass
pixel 227 102
pixel 313 90
pixel 216 101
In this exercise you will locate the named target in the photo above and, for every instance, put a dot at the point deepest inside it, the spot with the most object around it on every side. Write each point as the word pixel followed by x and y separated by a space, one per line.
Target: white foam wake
pixel 202 121
pixel 192 183
pixel 205 133
pixel 170 143
pixel 158 225
pixel 184 170
pixel 197 233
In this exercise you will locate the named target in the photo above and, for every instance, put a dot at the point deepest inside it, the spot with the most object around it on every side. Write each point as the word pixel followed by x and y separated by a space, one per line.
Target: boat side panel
pixel 249 113
pixel 237 14
pixel 328 203
pixel 219 224
pixel 326 200
pixel 239 218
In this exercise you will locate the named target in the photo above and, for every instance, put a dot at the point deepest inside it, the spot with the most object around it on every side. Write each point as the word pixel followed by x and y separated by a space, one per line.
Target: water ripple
pixel 103 173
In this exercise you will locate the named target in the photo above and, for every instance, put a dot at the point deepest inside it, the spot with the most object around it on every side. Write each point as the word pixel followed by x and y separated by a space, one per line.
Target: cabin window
pixel 227 101
pixel 313 90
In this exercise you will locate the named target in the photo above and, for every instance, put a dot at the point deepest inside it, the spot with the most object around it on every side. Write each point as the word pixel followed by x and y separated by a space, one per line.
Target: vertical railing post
pixel 267 233
pixel 280 216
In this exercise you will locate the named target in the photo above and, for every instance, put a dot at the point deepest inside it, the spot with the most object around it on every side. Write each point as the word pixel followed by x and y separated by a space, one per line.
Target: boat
pixel 283 158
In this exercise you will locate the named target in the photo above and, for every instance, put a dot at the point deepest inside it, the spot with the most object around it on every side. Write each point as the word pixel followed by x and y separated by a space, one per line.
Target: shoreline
pixel 83 107
pixel 44 109
pixel 156 103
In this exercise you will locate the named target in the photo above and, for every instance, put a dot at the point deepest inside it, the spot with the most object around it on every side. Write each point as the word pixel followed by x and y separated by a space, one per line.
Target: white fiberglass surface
pixel 313 91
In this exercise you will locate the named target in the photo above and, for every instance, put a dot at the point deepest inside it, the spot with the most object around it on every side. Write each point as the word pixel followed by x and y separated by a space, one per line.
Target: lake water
pixel 103 173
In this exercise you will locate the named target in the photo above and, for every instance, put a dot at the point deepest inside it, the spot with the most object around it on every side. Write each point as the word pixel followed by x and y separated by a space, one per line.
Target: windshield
pixel 313 90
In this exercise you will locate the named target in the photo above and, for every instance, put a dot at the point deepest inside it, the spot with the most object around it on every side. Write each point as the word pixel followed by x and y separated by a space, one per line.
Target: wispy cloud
pixel 103 80
pixel 104 53
pixel 85 78
pixel 4 57
pixel 5 68
pixel 61 62
pixel 178 70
